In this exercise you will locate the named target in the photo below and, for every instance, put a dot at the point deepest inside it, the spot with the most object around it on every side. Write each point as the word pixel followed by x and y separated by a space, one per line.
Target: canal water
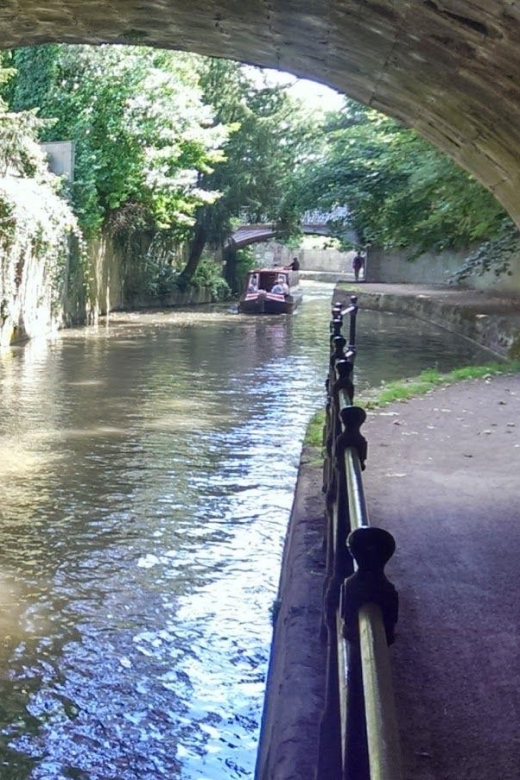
pixel 147 470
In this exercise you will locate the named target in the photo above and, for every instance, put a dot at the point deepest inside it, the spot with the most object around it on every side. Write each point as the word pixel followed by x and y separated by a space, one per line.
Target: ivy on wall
pixel 36 223
pixel 494 256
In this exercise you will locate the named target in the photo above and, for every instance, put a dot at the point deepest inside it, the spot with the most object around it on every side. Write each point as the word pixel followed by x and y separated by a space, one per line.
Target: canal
pixel 147 470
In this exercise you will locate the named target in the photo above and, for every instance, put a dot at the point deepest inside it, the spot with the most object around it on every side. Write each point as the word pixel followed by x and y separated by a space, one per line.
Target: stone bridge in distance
pixel 316 223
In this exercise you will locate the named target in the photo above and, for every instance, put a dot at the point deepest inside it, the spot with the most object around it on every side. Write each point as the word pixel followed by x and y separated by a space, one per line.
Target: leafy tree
pixel 142 134
pixel 21 156
pixel 268 135
pixel 399 190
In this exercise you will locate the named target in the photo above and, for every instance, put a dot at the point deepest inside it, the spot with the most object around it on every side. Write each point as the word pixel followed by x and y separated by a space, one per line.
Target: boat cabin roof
pixel 273 270
pixel 266 278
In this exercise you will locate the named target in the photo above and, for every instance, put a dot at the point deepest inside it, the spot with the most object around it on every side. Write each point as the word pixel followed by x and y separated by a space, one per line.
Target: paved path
pixel 444 477
pixel 486 302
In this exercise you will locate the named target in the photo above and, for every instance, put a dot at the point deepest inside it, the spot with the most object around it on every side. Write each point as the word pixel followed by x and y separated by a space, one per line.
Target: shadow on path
pixel 443 476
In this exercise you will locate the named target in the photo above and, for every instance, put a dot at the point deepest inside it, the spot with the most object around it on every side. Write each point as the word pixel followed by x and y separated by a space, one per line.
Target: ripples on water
pixel 147 472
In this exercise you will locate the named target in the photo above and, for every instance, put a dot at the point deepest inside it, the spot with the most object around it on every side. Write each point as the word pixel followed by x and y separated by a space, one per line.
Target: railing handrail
pixel 365 604
pixel 384 750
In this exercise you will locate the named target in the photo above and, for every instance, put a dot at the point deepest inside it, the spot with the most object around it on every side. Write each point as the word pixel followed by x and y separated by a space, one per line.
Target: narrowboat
pixel 270 291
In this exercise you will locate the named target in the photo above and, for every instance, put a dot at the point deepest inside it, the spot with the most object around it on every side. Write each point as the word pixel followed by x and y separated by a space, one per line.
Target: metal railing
pixel 359 737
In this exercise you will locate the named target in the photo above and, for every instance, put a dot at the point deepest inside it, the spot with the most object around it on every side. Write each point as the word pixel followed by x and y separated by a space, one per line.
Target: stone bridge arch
pixel 314 223
pixel 448 68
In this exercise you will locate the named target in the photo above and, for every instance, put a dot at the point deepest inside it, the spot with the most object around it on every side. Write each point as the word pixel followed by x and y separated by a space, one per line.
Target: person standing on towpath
pixel 358 263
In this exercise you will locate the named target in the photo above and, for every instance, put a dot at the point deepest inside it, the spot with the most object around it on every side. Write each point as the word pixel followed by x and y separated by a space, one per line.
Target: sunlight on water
pixel 147 474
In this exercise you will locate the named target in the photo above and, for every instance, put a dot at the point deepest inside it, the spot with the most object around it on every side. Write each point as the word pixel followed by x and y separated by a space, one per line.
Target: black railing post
pixel 371 548
pixel 329 754
pixel 336 322
pixel 352 310
pixel 359 735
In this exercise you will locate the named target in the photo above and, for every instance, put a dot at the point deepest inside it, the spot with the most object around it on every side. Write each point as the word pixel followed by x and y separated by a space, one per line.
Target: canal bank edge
pixel 489 320
pixel 295 687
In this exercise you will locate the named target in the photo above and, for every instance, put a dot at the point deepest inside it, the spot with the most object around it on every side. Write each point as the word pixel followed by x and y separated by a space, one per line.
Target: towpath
pixel 443 476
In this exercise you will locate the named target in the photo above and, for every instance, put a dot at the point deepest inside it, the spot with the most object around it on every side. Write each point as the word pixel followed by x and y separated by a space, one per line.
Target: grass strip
pixel 405 389
pixel 314 432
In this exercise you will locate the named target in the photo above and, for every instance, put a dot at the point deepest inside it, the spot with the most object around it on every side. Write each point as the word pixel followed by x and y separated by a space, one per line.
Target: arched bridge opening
pixel 448 68
pixel 245 235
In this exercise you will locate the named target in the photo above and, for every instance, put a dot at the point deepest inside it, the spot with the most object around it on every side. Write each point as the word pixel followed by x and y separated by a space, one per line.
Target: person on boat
pixel 253 284
pixel 280 287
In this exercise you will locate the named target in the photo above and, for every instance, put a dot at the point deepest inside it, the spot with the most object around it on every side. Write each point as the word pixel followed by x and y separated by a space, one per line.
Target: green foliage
pixel 245 261
pixel 209 277
pixel 37 71
pixel 268 134
pixel 35 221
pixel 159 271
pixel 175 144
pixel 315 429
pixel 495 255
pixel 160 280
pixel 20 154
pixel 260 154
pixel 142 134
pixel 166 141
pixel 399 190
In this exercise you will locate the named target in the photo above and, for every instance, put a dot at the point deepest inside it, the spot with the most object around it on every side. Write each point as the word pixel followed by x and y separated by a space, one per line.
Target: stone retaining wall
pixel 495 323
pixel 108 279
pixel 311 258
pixel 395 267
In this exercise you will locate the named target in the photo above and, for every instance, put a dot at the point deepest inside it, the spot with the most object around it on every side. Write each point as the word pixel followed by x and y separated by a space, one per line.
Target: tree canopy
pixel 142 132
pixel 187 146
pixel 164 140
pixel 269 134
pixel 399 190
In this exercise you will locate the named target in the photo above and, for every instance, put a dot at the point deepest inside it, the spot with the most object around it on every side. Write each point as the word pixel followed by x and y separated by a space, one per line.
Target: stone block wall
pixel 108 278
pixel 311 259
pixel 394 267
pixel 28 306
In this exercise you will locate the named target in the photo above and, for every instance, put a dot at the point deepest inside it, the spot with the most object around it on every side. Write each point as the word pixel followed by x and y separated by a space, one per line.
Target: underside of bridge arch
pixel 257 234
pixel 448 68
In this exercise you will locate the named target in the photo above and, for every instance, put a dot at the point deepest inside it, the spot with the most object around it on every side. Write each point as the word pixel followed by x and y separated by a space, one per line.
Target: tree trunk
pixel 196 248
pixel 230 268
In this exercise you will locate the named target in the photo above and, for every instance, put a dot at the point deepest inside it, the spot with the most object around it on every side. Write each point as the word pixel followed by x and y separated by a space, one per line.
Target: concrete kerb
pixel 295 688
pixel 490 321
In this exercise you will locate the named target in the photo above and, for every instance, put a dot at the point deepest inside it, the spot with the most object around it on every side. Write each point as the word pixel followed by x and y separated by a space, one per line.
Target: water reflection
pixel 147 476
